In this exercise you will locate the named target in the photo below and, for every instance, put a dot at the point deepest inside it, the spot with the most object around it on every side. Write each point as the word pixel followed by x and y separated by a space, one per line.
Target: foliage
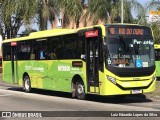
pixel 27 32
pixel 14 13
pixel 156 32
pixel 155 5
pixel 97 12
pixel 72 10
pixel 141 12
pixel 18 12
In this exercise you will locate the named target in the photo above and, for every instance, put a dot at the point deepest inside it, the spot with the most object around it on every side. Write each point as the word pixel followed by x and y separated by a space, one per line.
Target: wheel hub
pixel 80 89
pixel 27 84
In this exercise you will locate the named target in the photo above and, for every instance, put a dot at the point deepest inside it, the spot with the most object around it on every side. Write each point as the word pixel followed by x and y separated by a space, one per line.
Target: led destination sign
pixel 128 30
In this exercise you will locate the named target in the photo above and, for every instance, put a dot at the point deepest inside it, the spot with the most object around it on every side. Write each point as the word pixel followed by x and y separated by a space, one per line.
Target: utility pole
pixel 122 11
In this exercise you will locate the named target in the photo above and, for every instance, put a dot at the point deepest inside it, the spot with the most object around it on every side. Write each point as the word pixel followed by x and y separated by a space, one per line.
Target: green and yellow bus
pixel 111 59
pixel 157 60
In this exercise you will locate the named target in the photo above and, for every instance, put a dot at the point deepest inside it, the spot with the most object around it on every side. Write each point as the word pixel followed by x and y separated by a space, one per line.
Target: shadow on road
pixel 137 98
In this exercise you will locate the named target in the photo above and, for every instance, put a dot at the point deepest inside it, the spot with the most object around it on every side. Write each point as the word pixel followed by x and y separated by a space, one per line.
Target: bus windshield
pixel 130 52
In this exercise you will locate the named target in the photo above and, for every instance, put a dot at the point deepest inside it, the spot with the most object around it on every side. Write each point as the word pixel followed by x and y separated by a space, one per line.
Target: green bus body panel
pixel 47 74
pixel 157 62
pixel 7 73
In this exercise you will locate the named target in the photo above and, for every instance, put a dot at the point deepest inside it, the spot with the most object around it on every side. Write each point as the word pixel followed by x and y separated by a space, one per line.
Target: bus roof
pixel 43 34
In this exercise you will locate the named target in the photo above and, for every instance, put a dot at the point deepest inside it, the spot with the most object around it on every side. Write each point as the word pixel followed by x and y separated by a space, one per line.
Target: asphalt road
pixel 12 100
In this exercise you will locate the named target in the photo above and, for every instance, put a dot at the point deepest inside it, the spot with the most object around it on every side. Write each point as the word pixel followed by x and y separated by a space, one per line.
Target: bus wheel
pixel 26 84
pixel 120 96
pixel 80 92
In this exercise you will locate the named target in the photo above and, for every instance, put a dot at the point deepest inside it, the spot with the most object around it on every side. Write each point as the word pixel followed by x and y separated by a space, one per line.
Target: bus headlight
pixel 112 79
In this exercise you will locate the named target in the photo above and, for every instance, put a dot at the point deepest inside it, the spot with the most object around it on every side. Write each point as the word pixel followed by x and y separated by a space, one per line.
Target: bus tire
pixel 80 91
pixel 120 97
pixel 26 84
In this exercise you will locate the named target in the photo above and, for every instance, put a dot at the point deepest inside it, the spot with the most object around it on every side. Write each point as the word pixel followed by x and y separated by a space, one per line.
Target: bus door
pixel 42 65
pixel 92 62
pixel 14 63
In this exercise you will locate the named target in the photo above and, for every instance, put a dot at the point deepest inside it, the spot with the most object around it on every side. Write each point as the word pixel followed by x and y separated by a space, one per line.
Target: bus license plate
pixel 136 91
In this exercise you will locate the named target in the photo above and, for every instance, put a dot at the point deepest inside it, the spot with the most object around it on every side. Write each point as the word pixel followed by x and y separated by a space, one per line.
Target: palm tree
pixel 156 32
pixel 98 10
pixel 15 13
pixel 52 11
pixel 71 10
pixel 47 12
pixel 155 5
pixel 27 32
pixel 1 21
pixel 107 10
pixel 141 12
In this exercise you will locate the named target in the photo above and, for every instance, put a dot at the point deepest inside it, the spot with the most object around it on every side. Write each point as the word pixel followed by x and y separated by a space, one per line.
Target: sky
pixel 143 2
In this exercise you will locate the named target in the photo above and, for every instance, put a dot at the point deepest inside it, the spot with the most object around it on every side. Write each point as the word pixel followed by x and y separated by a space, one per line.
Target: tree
pixel 43 13
pixel 99 10
pixel 27 32
pixel 71 10
pixel 155 5
pixel 141 12
pixel 109 10
pixel 51 11
pixel 1 20
pixel 76 12
pixel 156 32
pixel 15 13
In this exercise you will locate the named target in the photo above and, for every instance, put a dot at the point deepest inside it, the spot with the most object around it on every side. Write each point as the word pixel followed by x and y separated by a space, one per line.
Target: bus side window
pixel 42 54
pixel 41 49
pixel 7 57
pixel 6 51
pixel 52 55
pixel 158 54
